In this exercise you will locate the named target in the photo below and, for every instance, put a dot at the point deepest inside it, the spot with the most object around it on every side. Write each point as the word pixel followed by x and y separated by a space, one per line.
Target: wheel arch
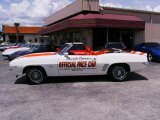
pixel 36 66
pixel 122 64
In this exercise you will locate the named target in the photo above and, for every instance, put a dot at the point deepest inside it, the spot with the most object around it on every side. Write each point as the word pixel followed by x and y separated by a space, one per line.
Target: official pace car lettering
pixel 80 58
pixel 79 64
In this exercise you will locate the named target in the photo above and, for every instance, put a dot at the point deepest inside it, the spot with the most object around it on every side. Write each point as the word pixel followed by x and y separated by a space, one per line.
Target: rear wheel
pixel 149 57
pixel 118 73
pixel 36 75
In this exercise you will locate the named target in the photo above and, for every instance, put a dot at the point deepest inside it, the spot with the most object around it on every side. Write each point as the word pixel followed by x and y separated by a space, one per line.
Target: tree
pixel 17 31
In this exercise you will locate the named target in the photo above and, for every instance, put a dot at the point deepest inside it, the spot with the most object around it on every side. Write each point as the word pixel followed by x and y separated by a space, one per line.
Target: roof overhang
pixel 74 8
pixel 97 21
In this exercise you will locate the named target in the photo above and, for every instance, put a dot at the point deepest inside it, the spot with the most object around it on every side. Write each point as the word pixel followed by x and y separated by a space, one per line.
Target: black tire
pixel 150 57
pixel 9 59
pixel 118 73
pixel 36 76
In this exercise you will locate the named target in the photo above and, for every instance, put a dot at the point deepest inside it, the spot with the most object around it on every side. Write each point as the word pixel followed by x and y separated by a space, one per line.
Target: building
pixel 1 37
pixel 25 33
pixel 94 25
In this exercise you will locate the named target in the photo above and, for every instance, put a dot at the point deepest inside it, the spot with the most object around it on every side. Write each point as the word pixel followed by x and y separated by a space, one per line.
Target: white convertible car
pixel 75 59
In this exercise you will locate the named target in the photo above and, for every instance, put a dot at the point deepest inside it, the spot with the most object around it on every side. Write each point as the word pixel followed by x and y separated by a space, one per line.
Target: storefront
pixel 25 33
pixel 95 25
pixel 104 35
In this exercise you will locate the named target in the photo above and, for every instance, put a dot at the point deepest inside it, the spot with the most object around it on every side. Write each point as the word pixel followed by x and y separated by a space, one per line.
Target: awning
pixel 96 21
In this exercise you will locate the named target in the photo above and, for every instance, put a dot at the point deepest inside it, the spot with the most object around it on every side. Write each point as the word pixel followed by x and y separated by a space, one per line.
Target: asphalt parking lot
pixel 81 98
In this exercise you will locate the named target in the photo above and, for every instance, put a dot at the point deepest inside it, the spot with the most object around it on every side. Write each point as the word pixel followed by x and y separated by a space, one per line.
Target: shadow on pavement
pixel 156 62
pixel 21 80
pixel 135 77
pixel 50 80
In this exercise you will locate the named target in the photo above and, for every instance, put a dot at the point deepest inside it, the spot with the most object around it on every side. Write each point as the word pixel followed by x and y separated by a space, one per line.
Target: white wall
pixel 6 38
pixel 27 37
pixel 152 32
pixel 139 36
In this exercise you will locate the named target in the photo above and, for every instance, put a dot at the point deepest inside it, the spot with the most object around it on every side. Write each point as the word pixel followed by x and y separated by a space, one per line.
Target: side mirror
pixel 88 49
pixel 57 49
pixel 66 54
pixel 143 48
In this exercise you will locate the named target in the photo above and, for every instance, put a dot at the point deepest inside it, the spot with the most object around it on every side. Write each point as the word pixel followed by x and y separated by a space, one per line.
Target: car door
pixel 72 65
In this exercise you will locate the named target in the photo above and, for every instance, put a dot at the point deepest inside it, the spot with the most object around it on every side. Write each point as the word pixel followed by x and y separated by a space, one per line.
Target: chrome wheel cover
pixel 119 73
pixel 36 76
pixel 150 57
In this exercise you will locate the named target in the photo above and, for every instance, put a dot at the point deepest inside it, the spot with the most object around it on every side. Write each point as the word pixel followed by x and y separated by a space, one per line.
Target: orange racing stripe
pixel 133 52
pixel 38 54
pixel 142 53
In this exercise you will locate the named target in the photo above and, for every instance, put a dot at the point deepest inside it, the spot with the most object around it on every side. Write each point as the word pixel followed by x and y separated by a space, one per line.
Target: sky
pixel 33 12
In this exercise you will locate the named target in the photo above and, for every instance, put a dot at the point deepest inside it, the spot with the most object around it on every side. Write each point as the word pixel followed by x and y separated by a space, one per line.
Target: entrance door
pixel 99 38
pixel 128 38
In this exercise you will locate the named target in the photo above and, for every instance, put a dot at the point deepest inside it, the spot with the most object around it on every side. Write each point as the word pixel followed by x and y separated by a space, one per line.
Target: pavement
pixel 81 98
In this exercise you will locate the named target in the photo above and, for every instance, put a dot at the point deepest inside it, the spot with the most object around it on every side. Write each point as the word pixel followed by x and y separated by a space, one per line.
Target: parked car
pixel 151 48
pixel 8 52
pixel 115 46
pixel 2 47
pixel 38 66
pixel 5 43
pixel 34 49
pixel 12 46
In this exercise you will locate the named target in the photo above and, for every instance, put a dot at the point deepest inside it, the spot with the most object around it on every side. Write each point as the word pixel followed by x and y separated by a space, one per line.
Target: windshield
pixel 78 47
pixel 115 45
pixel 35 47
pixel 29 45
pixel 63 46
pixel 64 49
pixel 150 45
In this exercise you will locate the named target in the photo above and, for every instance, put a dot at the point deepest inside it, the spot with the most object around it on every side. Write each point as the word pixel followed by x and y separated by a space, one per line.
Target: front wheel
pixel 118 73
pixel 36 76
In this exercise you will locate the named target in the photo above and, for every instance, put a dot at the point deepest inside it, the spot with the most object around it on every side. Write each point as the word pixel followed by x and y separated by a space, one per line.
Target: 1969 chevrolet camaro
pixel 68 62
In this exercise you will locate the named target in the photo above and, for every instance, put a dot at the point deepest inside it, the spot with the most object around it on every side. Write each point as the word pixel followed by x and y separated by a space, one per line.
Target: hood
pixel 11 51
pixel 35 59
pixel 156 48
pixel 38 54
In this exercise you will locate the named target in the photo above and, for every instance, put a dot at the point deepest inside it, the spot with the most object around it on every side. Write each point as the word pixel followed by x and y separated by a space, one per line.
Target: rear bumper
pixel 135 67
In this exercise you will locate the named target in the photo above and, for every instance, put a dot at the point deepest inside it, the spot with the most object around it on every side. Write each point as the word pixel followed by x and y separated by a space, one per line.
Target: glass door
pixel 128 38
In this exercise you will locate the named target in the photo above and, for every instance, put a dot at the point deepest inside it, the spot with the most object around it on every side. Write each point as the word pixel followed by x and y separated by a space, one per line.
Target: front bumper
pixel 16 70
pixel 6 56
pixel 156 57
